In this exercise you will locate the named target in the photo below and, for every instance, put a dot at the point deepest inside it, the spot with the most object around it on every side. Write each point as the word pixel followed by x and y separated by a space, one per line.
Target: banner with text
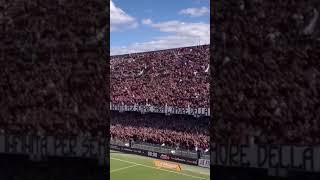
pixel 300 158
pixel 41 146
pixel 204 163
pixel 167 165
pixel 197 112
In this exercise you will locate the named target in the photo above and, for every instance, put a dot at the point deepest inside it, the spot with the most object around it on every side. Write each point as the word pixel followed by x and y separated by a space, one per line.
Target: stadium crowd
pixel 52 83
pixel 185 132
pixel 267 74
pixel 175 77
pixel 52 79
pixel 46 102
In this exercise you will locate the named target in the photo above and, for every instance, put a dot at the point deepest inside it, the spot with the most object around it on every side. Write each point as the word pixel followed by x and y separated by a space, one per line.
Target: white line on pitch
pixel 119 169
pixel 157 168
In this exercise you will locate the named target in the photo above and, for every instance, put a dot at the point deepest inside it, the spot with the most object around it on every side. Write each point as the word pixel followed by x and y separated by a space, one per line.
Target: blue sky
pixel 146 25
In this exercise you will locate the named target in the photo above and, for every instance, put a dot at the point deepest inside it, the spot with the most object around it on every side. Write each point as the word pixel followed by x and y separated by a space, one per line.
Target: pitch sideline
pixel 185 167
pixel 119 169
pixel 157 168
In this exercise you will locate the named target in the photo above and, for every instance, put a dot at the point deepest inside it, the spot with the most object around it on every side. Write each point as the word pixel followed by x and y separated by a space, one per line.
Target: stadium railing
pixel 161 149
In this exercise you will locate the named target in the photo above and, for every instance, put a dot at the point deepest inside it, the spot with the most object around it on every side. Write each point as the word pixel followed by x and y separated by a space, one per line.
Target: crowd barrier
pixel 168 157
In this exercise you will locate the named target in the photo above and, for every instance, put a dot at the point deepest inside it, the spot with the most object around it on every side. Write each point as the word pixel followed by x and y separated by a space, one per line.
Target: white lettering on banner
pixel 301 158
pixel 152 154
pixel 205 111
pixel 168 110
pixel 204 163
pixel 128 108
pixel 157 109
pixel 176 110
pixel 54 146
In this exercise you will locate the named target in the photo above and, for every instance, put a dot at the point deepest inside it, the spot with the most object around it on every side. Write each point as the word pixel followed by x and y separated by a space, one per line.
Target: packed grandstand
pixel 53 95
pixel 174 78
pixel 267 71
pixel 266 83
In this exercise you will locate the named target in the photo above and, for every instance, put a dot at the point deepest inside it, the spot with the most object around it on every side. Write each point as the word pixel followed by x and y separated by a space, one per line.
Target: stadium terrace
pixel 174 77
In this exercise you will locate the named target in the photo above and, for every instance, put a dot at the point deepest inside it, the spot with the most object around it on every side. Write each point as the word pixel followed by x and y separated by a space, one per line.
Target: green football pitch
pixel 133 167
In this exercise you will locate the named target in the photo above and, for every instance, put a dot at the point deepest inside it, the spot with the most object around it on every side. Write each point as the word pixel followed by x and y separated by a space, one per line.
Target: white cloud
pixel 119 19
pixel 184 29
pixel 195 12
pixel 147 21
pixel 181 35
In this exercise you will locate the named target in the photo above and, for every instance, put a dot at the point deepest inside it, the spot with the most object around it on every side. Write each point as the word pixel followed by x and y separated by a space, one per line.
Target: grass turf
pixel 133 167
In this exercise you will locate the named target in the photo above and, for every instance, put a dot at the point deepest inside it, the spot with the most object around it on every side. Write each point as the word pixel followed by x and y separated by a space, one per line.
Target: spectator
pixel 266 72
pixel 175 77
pixel 187 131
